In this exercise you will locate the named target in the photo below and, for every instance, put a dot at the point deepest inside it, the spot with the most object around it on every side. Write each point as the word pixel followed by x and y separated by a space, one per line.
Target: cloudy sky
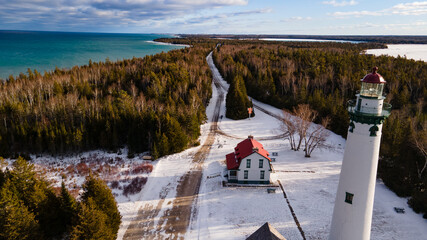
pixel 352 17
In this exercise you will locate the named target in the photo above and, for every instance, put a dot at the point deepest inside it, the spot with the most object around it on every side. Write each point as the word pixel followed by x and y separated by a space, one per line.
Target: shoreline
pixel 68 50
pixel 167 44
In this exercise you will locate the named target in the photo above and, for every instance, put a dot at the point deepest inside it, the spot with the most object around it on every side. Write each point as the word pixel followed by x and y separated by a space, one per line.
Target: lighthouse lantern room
pixel 355 195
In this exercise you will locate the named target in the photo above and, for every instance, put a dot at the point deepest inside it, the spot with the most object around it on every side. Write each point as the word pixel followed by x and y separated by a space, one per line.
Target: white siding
pixel 352 220
pixel 254 172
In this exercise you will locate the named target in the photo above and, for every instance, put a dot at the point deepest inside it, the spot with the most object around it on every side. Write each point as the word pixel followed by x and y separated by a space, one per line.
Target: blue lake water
pixel 43 51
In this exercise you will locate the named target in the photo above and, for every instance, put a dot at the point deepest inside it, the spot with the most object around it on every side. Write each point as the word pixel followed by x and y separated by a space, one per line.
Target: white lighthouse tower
pixel 354 201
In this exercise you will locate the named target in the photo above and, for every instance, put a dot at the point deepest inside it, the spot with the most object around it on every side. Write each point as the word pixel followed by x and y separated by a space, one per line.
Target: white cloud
pixel 206 2
pixel 45 14
pixel 356 14
pixel 340 4
pixel 295 19
pixel 214 18
pixel 414 9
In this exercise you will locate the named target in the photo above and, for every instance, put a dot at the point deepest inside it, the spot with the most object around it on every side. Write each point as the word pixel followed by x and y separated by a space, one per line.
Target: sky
pixel 323 17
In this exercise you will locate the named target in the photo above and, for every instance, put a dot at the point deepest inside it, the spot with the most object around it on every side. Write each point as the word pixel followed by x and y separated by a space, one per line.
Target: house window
pixel 262 174
pixel 248 163
pixel 233 173
pixel 260 163
pixel 245 176
pixel 349 197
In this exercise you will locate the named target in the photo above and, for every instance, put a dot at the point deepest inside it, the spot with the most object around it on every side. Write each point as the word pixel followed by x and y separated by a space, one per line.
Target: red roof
pixel 232 162
pixel 373 77
pixel 244 149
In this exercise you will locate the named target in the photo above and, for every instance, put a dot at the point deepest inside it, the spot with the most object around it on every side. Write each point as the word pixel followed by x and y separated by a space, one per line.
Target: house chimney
pixel 251 137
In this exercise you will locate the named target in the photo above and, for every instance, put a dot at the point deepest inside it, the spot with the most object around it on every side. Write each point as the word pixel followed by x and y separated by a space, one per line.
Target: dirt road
pixel 176 220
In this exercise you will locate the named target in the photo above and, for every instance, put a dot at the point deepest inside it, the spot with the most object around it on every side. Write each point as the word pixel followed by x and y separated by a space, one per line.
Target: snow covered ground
pixel 411 51
pixel 234 213
pixel 310 184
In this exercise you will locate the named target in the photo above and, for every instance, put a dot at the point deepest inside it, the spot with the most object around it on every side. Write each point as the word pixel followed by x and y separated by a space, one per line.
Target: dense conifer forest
pixel 30 208
pixel 155 103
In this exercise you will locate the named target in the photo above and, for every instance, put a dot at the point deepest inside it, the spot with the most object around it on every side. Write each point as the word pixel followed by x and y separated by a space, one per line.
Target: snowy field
pixel 411 51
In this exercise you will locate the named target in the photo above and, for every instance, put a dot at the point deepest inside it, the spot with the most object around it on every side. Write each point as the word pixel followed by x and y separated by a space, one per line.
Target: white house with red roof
pixel 249 163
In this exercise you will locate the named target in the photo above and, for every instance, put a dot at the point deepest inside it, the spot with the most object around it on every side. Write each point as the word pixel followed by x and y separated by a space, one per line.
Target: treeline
pixel 389 39
pixel 154 103
pixel 30 208
pixel 326 76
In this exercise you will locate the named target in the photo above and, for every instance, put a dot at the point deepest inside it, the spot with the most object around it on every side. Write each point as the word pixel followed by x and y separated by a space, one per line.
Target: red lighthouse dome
pixel 373 77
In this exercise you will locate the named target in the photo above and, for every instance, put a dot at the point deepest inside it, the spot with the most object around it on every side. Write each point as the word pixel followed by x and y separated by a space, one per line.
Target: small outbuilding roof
pixel 373 77
pixel 244 149
pixel 266 232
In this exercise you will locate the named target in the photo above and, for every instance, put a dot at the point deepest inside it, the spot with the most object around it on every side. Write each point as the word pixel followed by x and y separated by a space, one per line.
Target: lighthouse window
pixel 349 197
pixel 373 131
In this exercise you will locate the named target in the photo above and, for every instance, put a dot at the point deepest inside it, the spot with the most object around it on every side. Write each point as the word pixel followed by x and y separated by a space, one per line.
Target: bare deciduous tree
pixel 304 117
pixel 301 125
pixel 289 128
pixel 316 136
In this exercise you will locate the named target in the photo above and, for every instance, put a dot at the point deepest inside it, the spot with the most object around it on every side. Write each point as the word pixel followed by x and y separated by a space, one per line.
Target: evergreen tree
pixel 96 189
pixel 177 138
pixel 30 189
pixel 161 147
pixel 16 221
pixel 237 102
pixel 92 223
pixel 69 207
pixel 37 196
pixel 49 216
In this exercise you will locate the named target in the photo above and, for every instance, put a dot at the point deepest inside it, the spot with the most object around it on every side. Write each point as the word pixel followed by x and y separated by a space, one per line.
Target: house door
pixel 233 175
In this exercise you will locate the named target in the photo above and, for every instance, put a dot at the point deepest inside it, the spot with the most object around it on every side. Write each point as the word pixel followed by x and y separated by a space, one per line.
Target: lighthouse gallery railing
pixel 351 107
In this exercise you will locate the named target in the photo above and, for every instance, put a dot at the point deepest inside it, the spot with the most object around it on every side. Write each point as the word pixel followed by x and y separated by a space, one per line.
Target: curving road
pixel 175 221
pixel 217 81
